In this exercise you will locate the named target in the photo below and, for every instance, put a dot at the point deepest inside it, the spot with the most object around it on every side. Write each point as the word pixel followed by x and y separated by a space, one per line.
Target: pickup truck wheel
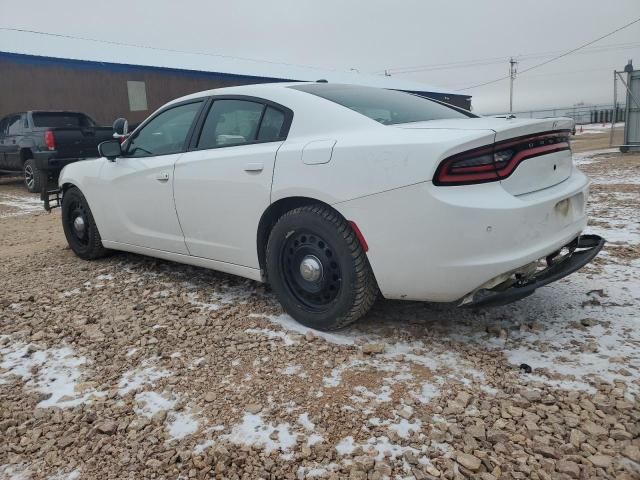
pixel 32 176
pixel 318 270
pixel 79 227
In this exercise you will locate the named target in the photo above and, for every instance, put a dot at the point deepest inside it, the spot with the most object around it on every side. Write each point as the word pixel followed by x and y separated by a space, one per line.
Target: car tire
pixel 318 269
pixel 32 176
pixel 79 226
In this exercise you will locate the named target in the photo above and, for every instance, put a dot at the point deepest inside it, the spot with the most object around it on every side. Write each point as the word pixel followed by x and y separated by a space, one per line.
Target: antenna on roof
pixel 322 80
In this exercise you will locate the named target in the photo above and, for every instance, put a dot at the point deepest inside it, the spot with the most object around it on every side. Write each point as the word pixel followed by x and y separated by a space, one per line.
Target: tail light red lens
pixel 498 161
pixel 49 140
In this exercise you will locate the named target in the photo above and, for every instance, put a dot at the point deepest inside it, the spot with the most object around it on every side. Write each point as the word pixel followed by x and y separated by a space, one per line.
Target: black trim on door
pixel 284 131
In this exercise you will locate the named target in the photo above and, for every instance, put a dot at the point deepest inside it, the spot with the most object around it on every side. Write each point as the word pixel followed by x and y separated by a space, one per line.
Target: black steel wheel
pixel 310 270
pixel 79 227
pixel 318 270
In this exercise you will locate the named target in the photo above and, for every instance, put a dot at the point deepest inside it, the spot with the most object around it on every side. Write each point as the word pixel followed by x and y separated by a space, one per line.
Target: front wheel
pixel 79 227
pixel 32 176
pixel 318 269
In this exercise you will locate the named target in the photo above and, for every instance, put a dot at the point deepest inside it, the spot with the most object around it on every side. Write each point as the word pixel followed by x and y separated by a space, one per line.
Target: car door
pixel 11 145
pixel 137 187
pixel 223 184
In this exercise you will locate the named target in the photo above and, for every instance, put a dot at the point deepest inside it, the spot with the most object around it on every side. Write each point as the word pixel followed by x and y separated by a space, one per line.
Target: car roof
pixel 250 89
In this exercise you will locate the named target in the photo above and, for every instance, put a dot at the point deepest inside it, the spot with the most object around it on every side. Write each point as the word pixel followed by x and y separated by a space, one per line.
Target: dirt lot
pixel 131 367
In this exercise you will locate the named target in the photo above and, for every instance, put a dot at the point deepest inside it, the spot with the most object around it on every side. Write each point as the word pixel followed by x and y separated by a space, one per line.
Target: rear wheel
pixel 318 270
pixel 32 176
pixel 79 227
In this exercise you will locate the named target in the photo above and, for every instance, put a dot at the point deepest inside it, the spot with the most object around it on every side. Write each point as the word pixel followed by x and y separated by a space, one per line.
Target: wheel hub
pixel 311 268
pixel 79 226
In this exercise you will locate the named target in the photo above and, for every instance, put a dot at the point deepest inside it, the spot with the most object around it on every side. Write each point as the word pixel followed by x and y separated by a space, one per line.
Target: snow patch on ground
pixel 317 471
pixel 403 428
pixel 286 339
pixel 134 379
pixel 23 205
pixel 294 370
pixel 288 323
pixel 150 403
pixel 54 372
pixel 379 447
pixel 182 424
pixel 15 472
pixel 202 446
pixel 427 392
pixel 254 431
pixel 73 475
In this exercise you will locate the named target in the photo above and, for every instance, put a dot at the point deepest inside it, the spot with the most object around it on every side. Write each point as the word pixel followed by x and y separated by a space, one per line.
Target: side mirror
pixel 121 126
pixel 111 149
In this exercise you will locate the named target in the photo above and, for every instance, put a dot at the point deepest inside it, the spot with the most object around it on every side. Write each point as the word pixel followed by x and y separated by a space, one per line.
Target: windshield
pixel 388 107
pixel 61 120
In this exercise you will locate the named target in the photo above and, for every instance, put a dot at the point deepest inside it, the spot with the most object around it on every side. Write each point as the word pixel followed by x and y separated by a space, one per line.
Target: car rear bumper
pixel 439 244
pixel 581 251
pixel 48 161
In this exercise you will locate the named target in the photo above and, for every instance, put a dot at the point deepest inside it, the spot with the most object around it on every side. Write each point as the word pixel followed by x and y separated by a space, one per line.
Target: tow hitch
pixel 559 264
pixel 51 193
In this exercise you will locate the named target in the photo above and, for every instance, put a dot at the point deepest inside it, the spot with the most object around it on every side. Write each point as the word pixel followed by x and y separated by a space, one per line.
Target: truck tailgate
pixel 79 142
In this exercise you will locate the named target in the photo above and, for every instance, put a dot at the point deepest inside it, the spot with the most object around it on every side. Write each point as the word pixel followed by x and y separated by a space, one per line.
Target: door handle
pixel 254 167
pixel 162 177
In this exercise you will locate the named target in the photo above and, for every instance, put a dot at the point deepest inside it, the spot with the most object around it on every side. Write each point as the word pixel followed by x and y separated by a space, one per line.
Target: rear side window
pixel 388 107
pixel 61 120
pixel 15 125
pixel 230 122
pixel 271 126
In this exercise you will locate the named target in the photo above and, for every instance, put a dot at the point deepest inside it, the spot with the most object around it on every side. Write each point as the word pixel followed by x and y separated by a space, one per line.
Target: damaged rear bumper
pixel 559 264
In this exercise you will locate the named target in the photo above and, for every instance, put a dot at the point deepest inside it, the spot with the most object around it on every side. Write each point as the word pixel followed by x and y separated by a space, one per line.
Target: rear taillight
pixel 496 162
pixel 49 140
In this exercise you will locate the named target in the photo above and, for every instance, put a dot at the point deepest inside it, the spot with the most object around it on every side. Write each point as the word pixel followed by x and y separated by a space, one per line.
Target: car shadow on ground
pixel 388 319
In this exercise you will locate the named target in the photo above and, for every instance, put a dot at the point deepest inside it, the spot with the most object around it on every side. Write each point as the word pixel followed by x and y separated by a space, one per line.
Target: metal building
pixel 107 81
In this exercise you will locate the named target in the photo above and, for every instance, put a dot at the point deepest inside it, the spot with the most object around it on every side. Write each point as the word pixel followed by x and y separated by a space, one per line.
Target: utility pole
pixel 513 69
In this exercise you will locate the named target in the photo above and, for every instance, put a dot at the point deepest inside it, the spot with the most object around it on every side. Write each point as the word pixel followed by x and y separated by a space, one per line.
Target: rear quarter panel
pixel 368 161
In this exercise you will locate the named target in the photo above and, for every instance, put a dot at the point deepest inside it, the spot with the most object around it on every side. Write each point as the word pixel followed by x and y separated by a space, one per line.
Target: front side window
pixel 166 133
pixel 388 107
pixel 230 122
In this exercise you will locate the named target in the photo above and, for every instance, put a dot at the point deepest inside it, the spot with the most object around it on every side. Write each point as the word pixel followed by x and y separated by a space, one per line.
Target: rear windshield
pixel 61 120
pixel 388 107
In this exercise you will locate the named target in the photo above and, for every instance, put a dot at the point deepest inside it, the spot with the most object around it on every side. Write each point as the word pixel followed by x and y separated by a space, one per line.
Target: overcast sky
pixel 374 35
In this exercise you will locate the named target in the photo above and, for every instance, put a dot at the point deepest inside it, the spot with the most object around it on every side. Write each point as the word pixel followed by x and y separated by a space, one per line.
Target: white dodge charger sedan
pixel 334 193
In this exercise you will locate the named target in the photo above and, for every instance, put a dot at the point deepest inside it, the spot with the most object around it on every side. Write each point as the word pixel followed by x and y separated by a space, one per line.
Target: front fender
pixel 85 175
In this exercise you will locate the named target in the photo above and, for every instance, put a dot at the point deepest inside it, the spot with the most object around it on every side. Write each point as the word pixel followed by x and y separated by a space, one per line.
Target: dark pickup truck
pixel 39 143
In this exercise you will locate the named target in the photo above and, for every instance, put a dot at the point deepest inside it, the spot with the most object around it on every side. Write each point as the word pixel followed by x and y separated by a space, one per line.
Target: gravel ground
pixel 131 367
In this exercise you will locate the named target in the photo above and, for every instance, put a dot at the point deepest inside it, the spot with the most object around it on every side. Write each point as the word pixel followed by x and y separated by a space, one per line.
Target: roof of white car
pixel 261 89
pixel 37 44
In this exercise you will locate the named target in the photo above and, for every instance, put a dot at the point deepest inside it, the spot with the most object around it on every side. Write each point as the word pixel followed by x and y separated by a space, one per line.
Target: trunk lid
pixel 532 174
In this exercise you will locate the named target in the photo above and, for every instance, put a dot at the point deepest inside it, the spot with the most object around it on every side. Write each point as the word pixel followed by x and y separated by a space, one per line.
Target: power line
pixel 500 60
pixel 554 58
pixel 555 74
